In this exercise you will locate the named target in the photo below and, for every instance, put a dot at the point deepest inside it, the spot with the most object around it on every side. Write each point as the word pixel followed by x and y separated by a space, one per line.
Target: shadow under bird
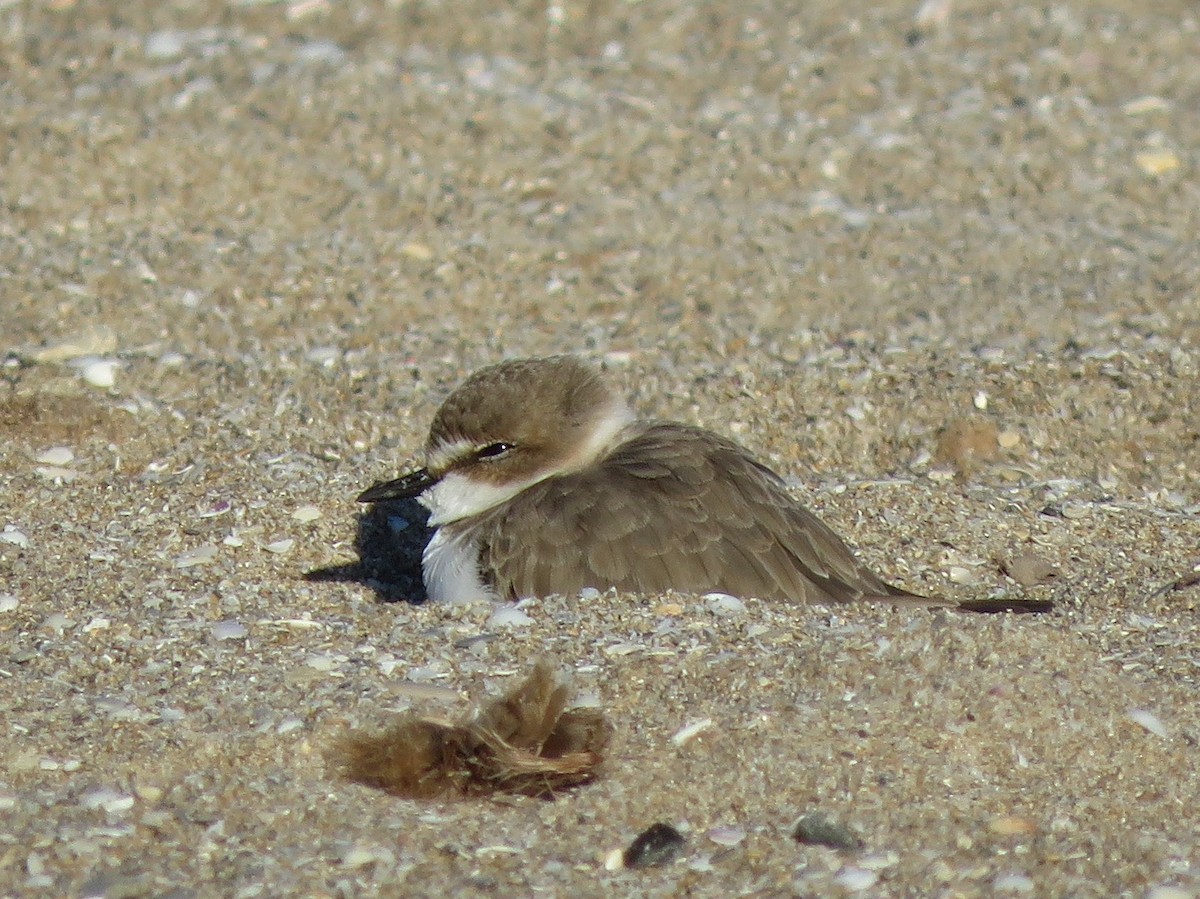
pixel 539 481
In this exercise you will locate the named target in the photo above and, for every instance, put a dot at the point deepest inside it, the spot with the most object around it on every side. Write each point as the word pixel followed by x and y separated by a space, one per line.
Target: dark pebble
pixel 654 846
pixel 815 829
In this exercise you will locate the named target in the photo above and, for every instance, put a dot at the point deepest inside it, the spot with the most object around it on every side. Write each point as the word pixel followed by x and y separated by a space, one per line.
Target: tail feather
pixel 990 606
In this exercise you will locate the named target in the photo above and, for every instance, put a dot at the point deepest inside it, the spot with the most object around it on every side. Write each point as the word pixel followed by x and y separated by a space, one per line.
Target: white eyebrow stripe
pixel 441 457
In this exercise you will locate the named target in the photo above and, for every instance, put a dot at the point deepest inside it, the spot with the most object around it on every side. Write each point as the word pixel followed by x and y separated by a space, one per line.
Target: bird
pixel 539 480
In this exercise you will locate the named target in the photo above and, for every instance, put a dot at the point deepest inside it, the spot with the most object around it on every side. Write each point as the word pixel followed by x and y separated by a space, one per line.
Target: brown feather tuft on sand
pixel 524 742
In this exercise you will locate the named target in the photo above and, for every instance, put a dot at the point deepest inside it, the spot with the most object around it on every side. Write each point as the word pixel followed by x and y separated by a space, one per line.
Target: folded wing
pixel 673 507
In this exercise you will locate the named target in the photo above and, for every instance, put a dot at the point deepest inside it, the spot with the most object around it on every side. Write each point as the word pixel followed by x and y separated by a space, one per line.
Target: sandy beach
pixel 936 264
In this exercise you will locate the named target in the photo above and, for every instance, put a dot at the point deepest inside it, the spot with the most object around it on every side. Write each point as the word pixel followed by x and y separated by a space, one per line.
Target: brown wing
pixel 673 507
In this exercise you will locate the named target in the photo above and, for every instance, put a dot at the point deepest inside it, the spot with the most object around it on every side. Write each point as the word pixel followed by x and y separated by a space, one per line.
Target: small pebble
pixel 57 473
pixel 145 272
pixel 111 801
pixel 307 514
pixel 93 342
pixel 815 829
pixel 201 555
pixel 960 575
pixel 56 455
pixel 57 622
pixel 24 762
pixel 1075 511
pixel 1012 883
pixel 690 731
pixel 289 724
pixel 653 847
pixel 119 709
pixel 422 673
pixel 1167 891
pixel 229 630
pixel 319 661
pixel 1149 721
pixel 617 650
pixel 1143 105
pixel 220 507
pixel 1029 569
pixel 11 534
pixel 856 879
pixel 1157 162
pixel 279 547
pixel 417 251
pixel 724 604
pixel 324 356
pixel 509 616
pixel 727 836
pixel 933 13
pixel 879 861
pixel 8 602
pixel 148 792
pixel 98 372
pixel 164 44
pixel 1012 825
pixel 320 52
pixel 426 692
pixel 359 857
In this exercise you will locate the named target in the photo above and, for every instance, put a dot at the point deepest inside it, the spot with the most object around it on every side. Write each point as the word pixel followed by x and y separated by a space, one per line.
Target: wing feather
pixel 672 507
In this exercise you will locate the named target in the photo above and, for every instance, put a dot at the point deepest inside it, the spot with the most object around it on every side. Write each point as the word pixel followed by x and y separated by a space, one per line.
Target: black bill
pixel 402 488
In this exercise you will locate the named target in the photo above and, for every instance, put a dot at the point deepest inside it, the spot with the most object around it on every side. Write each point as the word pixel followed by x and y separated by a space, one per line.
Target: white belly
pixel 450 569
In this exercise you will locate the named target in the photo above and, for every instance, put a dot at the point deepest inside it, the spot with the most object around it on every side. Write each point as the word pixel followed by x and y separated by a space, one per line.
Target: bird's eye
pixel 493 450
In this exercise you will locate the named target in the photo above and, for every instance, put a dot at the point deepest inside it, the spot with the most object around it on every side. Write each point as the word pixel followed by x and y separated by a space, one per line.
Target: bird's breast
pixel 450 567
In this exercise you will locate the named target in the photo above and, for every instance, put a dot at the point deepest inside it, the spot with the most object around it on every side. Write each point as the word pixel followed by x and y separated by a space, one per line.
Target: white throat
pixel 457 496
